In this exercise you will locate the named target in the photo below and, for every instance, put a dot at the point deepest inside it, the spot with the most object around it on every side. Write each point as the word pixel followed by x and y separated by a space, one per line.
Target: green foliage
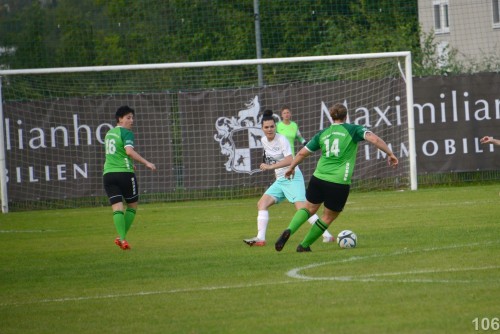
pixel 118 32
pixel 432 62
pixel 419 268
pixel 371 28
pixel 35 53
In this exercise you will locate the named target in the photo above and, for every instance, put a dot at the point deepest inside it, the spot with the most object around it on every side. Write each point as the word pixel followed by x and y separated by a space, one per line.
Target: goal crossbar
pixel 262 61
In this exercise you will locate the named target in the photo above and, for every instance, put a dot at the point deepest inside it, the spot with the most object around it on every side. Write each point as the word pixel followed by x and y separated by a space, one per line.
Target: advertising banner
pixel 55 147
pixel 451 115
pixel 211 139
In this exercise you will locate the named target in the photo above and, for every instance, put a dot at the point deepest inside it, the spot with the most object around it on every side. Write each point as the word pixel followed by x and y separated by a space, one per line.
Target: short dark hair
pixel 122 111
pixel 338 112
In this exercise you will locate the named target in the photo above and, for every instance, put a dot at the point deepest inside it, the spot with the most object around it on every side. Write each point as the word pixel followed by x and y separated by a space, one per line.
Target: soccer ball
pixel 347 239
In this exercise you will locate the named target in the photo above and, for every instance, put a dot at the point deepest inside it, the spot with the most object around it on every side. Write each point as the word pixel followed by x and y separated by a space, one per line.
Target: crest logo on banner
pixel 240 139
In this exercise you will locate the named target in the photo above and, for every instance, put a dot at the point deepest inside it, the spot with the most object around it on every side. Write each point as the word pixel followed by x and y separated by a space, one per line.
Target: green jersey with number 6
pixel 117 159
pixel 339 146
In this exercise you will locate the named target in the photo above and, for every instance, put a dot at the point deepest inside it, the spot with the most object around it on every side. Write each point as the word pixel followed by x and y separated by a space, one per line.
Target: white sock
pixel 262 220
pixel 327 234
pixel 313 219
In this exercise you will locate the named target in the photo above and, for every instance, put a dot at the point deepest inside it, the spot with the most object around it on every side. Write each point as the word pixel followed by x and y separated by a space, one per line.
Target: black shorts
pixel 332 195
pixel 121 185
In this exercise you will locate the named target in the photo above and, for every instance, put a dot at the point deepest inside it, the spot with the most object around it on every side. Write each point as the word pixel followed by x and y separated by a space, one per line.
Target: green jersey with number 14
pixel 117 159
pixel 339 146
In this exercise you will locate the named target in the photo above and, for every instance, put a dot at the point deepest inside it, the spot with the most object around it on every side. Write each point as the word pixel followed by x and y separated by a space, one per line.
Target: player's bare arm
pixel 283 163
pixel 303 153
pixel 490 140
pixel 137 157
pixel 381 145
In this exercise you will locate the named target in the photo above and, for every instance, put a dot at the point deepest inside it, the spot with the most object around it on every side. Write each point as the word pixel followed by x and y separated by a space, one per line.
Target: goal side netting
pixel 198 122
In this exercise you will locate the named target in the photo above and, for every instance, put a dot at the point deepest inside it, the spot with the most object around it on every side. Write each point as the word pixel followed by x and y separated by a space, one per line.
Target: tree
pixel 32 52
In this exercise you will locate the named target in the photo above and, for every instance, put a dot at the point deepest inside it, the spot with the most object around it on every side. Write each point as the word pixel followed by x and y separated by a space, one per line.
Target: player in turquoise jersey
pixel 289 128
pixel 119 178
pixel 330 183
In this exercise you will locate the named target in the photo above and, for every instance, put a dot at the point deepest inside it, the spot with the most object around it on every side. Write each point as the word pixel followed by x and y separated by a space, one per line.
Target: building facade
pixel 470 27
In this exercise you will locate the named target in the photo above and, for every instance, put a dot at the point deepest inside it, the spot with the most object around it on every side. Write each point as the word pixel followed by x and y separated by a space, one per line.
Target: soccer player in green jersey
pixel 330 183
pixel 119 178
pixel 289 128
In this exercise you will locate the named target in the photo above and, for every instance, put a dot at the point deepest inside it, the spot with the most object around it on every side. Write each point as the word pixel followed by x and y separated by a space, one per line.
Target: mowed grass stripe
pixel 427 262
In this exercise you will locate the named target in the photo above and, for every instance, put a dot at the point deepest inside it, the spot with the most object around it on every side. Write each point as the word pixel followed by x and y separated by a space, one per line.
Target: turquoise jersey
pixel 339 147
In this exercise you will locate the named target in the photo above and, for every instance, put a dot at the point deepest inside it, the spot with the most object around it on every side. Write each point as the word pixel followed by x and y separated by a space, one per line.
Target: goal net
pixel 199 123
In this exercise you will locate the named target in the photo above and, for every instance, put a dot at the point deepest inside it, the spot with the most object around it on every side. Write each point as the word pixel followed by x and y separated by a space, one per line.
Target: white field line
pixel 404 251
pixel 146 293
pixel 374 277
pixel 297 278
pixel 294 273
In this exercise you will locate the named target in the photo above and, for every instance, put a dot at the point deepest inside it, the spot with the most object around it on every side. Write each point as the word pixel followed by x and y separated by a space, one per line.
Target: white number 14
pixel 334 149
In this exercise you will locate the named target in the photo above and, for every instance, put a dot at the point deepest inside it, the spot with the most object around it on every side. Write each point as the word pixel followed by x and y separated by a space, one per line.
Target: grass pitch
pixel 426 262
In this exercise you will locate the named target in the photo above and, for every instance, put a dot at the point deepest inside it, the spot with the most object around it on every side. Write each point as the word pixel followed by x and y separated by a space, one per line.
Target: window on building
pixel 441 19
pixel 496 13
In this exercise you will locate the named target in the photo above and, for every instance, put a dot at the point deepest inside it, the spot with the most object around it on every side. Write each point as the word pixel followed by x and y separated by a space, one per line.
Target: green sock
pixel 129 218
pixel 314 233
pixel 119 219
pixel 300 217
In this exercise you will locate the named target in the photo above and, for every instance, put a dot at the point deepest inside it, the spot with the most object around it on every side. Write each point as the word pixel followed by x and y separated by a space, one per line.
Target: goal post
pixel 3 168
pixel 198 122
